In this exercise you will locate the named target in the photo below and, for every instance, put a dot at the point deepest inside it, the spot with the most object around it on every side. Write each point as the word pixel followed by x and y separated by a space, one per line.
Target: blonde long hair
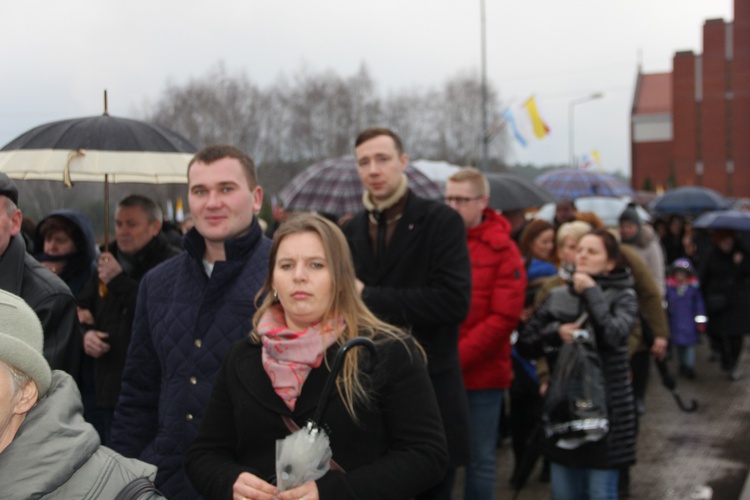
pixel 345 303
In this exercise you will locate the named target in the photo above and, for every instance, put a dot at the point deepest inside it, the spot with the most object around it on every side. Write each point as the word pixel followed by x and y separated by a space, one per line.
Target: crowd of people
pixel 171 367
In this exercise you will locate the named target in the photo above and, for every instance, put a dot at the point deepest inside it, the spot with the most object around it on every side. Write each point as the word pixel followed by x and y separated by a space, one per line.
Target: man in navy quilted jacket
pixel 190 310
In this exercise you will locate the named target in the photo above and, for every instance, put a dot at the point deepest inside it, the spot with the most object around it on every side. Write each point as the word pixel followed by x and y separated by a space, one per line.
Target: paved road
pixel 701 455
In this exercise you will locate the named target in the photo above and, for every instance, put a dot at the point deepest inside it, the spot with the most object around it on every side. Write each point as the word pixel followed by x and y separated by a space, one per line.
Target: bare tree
pixel 311 116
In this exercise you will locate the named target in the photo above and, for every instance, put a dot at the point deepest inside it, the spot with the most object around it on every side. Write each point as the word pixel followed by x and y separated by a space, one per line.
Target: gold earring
pixel 275 295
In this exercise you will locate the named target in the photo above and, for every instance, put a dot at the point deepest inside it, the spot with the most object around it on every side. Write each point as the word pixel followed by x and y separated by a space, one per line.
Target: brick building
pixel 692 126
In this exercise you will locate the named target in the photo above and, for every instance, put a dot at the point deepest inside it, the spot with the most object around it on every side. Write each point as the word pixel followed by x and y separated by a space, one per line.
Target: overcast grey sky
pixel 59 55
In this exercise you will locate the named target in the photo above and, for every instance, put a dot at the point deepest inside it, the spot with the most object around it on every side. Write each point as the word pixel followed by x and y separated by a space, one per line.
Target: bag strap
pixel 136 488
pixel 293 427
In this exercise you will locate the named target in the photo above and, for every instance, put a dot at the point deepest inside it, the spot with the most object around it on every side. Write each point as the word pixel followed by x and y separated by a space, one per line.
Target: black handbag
pixel 575 409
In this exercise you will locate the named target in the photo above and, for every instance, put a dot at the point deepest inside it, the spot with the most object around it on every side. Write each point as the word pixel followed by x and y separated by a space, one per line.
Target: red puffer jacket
pixel 497 298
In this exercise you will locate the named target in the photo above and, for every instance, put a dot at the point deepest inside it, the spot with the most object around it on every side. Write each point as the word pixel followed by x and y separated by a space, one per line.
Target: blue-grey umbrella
pixel 737 220
pixel 571 183
pixel 688 200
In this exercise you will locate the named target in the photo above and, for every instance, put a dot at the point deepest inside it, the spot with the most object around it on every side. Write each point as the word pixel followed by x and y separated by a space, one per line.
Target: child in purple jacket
pixel 687 313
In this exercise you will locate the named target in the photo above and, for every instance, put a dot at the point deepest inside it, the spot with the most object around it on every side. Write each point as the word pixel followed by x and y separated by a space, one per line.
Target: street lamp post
pixel 485 132
pixel 571 131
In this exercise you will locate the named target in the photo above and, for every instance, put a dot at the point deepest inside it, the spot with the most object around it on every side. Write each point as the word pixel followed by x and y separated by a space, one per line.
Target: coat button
pixel 189 417
pixel 198 343
pixel 193 380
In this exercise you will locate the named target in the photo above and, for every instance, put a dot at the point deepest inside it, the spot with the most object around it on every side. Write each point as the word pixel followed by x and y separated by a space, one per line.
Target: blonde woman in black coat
pixel 385 428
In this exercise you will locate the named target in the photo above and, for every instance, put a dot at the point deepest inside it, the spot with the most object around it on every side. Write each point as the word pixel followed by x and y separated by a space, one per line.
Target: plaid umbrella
pixel 688 200
pixel 572 183
pixel 333 186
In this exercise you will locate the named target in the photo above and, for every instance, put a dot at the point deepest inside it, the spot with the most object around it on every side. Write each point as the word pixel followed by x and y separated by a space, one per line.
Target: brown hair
pixel 591 218
pixel 374 132
pixel 346 301
pixel 55 223
pixel 216 152
pixel 531 233
pixel 611 246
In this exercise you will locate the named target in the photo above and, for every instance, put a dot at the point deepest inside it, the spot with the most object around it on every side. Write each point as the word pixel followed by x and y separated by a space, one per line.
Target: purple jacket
pixel 684 304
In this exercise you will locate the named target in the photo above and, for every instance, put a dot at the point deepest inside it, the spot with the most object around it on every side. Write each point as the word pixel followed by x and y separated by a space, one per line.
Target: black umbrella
pixel 512 192
pixel 305 455
pixel 688 200
pixel 667 379
pixel 99 149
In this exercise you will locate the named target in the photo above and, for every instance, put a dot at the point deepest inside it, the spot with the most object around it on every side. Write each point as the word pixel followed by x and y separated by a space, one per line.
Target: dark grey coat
pixel 612 316
pixel 51 300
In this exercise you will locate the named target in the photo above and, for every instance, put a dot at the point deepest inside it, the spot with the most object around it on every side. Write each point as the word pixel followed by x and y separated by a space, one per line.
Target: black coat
pixel 396 451
pixel 726 291
pixel 114 315
pixel 425 287
pixel 612 316
pixel 51 300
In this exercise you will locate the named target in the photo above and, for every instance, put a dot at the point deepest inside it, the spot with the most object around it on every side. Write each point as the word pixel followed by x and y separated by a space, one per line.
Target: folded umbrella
pixel 305 455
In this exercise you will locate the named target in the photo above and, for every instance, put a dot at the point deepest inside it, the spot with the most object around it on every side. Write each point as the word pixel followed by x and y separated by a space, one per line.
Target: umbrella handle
pixel 336 368
pixel 687 409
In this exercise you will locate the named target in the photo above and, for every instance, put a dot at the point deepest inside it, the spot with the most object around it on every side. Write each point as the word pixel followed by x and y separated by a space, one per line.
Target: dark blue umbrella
pixel 726 219
pixel 688 200
pixel 572 183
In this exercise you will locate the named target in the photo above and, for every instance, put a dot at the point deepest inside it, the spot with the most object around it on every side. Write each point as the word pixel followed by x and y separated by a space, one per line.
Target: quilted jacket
pixel 184 325
pixel 498 283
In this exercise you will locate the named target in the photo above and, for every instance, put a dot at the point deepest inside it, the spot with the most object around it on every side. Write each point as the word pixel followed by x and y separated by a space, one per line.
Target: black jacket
pixel 396 451
pixel 51 300
pixel 613 309
pixel 425 287
pixel 114 315
pixel 726 291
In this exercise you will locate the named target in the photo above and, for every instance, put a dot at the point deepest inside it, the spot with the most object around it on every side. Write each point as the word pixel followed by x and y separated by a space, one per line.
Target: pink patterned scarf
pixel 289 356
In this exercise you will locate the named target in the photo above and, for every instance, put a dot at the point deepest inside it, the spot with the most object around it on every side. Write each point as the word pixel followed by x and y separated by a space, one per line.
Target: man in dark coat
pixel 413 270
pixel 47 294
pixel 107 321
pixel 190 309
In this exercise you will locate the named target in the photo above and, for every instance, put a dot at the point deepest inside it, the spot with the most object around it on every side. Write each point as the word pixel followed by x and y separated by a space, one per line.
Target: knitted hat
pixel 8 187
pixel 21 340
pixel 630 215
pixel 682 264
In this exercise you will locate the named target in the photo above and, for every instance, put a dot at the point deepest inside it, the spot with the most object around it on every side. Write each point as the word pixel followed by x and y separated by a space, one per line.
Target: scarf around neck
pixel 289 356
pixel 371 205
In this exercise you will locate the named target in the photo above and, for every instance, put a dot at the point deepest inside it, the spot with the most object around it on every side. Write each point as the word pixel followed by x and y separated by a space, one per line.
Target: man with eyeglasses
pixel 497 299
pixel 413 270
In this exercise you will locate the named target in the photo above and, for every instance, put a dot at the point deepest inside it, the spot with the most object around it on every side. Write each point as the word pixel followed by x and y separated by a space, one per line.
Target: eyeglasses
pixel 460 200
